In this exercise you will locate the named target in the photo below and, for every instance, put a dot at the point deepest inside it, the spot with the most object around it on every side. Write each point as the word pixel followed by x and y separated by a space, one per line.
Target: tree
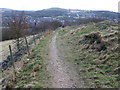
pixel 55 24
pixel 17 24
pixel 14 26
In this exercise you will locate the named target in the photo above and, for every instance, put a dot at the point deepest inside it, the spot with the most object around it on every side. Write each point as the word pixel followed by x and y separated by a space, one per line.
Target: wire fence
pixel 19 47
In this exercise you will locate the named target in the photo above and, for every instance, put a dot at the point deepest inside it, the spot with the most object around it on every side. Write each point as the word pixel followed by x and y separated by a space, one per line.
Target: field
pixel 4 51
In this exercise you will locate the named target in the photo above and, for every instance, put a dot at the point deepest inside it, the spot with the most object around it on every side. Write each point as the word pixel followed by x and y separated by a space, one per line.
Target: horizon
pixel 34 5
pixel 59 8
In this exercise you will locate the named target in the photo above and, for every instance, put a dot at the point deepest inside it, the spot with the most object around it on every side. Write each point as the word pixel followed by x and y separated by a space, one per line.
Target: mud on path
pixel 62 74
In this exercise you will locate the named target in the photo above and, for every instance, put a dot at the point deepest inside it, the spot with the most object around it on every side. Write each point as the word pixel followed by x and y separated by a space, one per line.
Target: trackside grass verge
pixel 34 73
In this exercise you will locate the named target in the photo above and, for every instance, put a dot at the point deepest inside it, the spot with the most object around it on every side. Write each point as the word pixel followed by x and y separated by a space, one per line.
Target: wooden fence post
pixel 12 60
pixel 34 39
pixel 27 45
pixel 39 35
pixel 18 44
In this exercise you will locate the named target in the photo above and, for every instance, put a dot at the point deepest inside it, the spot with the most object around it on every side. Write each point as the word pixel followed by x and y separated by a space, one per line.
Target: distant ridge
pixel 66 14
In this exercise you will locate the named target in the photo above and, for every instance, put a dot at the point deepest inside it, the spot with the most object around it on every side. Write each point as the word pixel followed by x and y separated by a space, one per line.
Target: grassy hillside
pixel 93 49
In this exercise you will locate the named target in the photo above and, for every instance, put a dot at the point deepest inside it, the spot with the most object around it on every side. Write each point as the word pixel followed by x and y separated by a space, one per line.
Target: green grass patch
pixel 86 30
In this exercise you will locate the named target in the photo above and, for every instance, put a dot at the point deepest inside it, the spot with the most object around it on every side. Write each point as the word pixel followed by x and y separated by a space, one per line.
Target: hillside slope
pixel 74 56
pixel 94 51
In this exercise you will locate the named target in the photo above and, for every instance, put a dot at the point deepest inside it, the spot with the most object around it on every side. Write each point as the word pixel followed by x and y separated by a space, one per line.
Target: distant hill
pixel 63 14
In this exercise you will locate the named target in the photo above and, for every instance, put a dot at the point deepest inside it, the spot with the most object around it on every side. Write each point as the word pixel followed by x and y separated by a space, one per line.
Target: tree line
pixel 18 25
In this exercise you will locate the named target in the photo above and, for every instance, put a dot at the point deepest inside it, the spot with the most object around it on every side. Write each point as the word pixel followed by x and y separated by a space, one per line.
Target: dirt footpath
pixel 62 75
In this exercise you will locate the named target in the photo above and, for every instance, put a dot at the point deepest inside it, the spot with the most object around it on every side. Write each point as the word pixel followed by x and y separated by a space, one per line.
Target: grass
pixel 87 62
pixel 37 57
pixel 104 72
pixel 86 30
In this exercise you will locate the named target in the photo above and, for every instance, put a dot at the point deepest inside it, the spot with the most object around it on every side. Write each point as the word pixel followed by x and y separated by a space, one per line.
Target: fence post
pixel 39 35
pixel 18 44
pixel 34 39
pixel 12 60
pixel 27 45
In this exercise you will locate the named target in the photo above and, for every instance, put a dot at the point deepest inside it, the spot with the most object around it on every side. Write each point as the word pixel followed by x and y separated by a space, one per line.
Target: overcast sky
pixel 111 5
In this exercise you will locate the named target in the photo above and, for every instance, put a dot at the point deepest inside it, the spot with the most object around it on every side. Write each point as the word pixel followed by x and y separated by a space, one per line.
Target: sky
pixel 110 5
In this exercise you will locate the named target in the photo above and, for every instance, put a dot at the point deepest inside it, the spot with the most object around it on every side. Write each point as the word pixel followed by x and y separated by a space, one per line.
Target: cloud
pixel 111 5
